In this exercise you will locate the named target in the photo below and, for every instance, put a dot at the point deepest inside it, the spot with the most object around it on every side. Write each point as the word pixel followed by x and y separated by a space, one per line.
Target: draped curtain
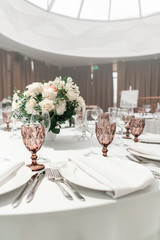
pixel 6 83
pixel 97 90
pixel 17 72
pixel 141 75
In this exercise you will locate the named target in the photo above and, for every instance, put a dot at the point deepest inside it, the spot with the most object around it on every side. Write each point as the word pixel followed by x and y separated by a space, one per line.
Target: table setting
pixel 83 186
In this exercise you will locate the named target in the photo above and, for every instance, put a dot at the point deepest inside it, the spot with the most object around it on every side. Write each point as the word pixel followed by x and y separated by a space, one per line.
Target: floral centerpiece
pixel 59 97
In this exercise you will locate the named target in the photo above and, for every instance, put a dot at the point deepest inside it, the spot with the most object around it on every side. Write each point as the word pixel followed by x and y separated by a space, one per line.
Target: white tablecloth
pixel 152 123
pixel 51 216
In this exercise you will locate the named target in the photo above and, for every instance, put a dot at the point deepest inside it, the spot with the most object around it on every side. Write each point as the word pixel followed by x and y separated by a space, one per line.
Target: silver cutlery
pixel 144 160
pixel 50 173
pixel 19 198
pixel 134 159
pixel 33 191
pixel 147 161
pixel 60 178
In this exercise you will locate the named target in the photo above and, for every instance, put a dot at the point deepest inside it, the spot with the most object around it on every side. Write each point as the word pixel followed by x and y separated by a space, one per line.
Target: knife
pixel 32 193
pixel 18 199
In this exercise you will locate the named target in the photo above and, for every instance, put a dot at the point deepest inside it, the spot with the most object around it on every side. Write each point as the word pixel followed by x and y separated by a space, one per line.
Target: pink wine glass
pixel 136 126
pixel 33 136
pixel 105 131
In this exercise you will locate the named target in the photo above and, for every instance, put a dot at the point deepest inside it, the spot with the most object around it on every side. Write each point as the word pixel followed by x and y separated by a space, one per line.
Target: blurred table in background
pixel 152 122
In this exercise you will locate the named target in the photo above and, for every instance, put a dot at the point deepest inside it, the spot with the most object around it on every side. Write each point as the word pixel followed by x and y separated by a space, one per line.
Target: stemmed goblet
pixel 96 112
pixel 6 113
pixel 120 122
pixel 136 127
pixel 33 137
pixel 90 120
pixel 105 131
pixel 42 117
pixel 127 119
pixel 80 125
pixel 112 113
pixel 147 108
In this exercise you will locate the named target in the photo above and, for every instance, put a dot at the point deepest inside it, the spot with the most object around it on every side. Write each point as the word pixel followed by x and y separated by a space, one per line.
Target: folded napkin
pixel 146 149
pixel 8 169
pixel 150 138
pixel 117 173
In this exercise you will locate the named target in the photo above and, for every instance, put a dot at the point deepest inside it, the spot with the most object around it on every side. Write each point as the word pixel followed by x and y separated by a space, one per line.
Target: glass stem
pixel 121 135
pixel 91 148
pixel 83 130
pixel 14 129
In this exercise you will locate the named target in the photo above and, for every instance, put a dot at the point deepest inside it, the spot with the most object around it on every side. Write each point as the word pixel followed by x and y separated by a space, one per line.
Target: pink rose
pixel 53 87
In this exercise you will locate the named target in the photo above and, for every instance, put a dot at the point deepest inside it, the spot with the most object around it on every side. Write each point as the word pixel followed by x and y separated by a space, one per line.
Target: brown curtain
pixel 43 72
pixel 17 72
pixel 96 91
pixel 6 84
pixel 103 86
pixel 141 75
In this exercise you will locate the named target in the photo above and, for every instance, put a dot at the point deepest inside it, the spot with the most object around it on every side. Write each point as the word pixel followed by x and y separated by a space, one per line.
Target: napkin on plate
pixel 146 149
pixel 118 173
pixel 150 138
pixel 8 169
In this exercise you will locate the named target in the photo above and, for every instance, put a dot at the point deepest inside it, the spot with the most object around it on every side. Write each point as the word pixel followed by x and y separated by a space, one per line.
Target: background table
pixel 51 216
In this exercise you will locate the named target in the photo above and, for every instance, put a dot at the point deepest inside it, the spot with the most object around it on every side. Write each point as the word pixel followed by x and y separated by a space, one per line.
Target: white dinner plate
pixel 147 156
pixel 149 141
pixel 150 138
pixel 21 177
pixel 75 175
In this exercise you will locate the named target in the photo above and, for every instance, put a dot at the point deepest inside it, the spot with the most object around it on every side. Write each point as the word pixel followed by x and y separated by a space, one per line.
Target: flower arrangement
pixel 59 97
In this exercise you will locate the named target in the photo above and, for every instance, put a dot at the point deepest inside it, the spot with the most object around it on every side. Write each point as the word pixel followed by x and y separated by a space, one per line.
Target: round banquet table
pixel 51 216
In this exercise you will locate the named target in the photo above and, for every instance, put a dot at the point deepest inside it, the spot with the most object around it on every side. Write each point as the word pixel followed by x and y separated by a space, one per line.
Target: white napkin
pixel 146 149
pixel 150 138
pixel 120 174
pixel 8 169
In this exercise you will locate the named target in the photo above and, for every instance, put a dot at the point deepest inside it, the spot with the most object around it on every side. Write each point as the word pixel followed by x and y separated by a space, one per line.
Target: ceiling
pixel 65 41
pixel 62 60
pixel 102 10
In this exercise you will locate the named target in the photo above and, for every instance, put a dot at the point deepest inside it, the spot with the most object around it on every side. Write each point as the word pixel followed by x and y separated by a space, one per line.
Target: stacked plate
pixel 150 138
pixel 148 151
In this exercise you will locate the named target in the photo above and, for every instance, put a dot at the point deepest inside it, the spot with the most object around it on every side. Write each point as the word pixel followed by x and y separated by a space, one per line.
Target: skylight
pixel 105 10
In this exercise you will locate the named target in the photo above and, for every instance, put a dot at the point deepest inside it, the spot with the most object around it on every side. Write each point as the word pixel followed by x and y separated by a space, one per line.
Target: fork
pixel 60 178
pixel 51 175
pixel 134 159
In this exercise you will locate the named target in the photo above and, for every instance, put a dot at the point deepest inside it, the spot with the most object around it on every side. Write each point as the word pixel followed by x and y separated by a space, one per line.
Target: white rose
pixel 35 87
pixel 57 81
pixel 50 82
pixel 46 84
pixel 61 85
pixel 76 89
pixel 47 105
pixel 49 93
pixel 61 108
pixel 81 102
pixel 69 80
pixel 30 105
pixel 68 86
pixel 72 95
pixel 27 93
pixel 16 103
pixel 15 96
